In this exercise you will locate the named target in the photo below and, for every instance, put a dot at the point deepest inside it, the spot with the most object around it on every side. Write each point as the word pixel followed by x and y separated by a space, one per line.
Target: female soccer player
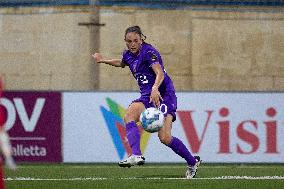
pixel 156 90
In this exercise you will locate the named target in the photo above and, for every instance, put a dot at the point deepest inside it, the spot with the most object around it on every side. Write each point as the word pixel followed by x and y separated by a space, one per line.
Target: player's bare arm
pixel 155 96
pixel 113 62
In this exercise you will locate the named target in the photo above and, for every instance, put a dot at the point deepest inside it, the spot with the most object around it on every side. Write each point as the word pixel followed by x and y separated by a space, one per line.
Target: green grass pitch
pixel 149 176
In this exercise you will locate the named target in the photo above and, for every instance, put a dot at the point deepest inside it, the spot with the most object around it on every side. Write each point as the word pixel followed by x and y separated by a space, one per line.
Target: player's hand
pixel 155 97
pixel 98 57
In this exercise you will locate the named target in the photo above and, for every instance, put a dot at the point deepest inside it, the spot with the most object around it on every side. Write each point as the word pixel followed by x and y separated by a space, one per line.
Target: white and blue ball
pixel 152 119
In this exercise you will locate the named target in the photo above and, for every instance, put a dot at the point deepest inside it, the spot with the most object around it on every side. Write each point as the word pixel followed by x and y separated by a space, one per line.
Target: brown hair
pixel 135 29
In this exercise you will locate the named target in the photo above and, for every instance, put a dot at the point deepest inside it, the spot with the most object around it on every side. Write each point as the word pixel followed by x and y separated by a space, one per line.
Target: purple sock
pixel 133 136
pixel 179 148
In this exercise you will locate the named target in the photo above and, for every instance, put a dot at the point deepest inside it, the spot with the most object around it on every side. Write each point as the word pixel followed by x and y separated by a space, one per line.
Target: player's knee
pixel 128 117
pixel 165 139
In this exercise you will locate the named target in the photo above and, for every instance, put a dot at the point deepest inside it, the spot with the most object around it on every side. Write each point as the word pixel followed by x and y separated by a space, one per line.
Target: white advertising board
pixel 220 127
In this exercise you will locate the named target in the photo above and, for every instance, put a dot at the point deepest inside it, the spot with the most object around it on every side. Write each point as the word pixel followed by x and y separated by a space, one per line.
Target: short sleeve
pixel 152 57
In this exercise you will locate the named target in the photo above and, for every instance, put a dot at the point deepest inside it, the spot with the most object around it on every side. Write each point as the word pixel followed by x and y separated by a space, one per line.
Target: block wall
pixel 203 48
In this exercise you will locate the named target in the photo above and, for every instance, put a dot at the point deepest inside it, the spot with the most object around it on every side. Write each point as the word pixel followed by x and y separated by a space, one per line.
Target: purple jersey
pixel 140 66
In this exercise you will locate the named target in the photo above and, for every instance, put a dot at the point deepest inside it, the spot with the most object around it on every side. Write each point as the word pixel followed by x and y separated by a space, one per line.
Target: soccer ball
pixel 152 120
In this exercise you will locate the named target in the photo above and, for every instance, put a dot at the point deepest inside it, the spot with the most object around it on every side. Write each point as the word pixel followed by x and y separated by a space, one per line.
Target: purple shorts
pixel 167 106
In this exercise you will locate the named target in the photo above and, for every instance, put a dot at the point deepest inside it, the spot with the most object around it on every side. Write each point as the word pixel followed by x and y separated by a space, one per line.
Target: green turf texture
pixel 149 176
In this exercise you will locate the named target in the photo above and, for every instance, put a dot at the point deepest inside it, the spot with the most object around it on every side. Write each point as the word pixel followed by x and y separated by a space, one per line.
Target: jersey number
pixel 163 108
pixel 142 79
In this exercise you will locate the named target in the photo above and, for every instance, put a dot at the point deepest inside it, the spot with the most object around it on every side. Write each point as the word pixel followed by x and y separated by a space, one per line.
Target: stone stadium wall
pixel 203 48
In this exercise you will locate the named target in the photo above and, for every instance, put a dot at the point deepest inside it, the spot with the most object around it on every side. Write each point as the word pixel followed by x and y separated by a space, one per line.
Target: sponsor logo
pixel 17 106
pixel 226 129
pixel 33 121
pixel 246 131
pixel 113 117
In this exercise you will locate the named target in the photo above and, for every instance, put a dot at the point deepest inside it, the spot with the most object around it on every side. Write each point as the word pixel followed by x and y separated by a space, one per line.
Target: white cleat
pixel 192 170
pixel 131 161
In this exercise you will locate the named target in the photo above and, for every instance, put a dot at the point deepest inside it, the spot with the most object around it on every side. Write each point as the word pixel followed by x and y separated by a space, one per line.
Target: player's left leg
pixel 178 147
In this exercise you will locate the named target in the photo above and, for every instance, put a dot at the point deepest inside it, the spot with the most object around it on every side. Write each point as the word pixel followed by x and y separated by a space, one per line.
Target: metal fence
pixel 12 3
pixel 153 3
pixel 195 2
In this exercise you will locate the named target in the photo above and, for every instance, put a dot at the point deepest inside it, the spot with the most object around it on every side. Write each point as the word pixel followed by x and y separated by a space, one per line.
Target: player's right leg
pixel 178 147
pixel 192 169
pixel 133 135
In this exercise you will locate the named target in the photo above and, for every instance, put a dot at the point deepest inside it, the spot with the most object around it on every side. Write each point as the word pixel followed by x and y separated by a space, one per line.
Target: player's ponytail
pixel 135 29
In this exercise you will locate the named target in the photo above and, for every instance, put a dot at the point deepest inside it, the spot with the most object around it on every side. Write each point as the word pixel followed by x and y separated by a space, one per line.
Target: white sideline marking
pixel 163 167
pixel 244 178
pixel 146 178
